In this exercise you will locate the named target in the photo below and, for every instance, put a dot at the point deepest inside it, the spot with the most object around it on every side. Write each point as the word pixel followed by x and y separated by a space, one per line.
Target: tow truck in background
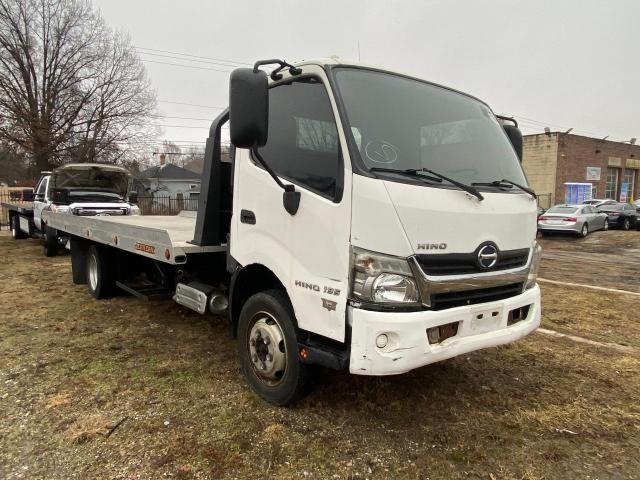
pixel 85 189
pixel 367 220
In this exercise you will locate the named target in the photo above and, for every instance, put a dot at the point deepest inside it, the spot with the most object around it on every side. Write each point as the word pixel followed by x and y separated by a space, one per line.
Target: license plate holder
pixel 486 320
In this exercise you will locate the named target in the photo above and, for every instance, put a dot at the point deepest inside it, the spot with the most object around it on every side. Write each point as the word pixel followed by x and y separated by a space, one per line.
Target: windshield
pixel 92 182
pixel 611 207
pixel 402 124
pixel 562 210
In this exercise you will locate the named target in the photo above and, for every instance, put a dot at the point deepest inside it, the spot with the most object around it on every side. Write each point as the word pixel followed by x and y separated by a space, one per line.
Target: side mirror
pixel 133 197
pixel 515 137
pixel 248 107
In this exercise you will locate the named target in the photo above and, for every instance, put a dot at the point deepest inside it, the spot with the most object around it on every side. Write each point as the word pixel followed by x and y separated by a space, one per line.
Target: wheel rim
pixel 93 272
pixel 267 350
pixel 626 224
pixel 585 230
pixel 606 225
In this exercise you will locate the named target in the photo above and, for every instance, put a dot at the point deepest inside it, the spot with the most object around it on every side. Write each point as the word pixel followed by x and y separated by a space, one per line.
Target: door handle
pixel 247 216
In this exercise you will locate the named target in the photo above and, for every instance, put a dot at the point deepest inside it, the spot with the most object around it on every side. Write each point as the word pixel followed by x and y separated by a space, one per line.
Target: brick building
pixel 552 159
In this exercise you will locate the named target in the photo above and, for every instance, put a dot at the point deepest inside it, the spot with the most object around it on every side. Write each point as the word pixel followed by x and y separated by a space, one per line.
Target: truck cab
pixel 413 237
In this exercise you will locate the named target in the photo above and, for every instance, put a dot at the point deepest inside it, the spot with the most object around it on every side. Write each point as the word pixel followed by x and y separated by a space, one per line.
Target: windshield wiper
pixel 460 185
pixel 505 183
pixel 410 172
pixel 437 177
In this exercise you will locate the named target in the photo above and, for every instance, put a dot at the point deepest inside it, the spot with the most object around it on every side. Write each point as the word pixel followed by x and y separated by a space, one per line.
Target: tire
pixel 78 260
pixel 50 241
pixel 100 275
pixel 16 233
pixel 268 349
pixel 605 227
pixel 585 230
pixel 626 224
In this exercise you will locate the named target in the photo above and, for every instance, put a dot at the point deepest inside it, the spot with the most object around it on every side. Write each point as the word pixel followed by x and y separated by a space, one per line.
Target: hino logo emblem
pixel 432 246
pixel 487 256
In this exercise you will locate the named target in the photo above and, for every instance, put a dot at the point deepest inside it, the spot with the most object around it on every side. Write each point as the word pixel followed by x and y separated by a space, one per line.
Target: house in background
pixel 170 180
pixel 168 187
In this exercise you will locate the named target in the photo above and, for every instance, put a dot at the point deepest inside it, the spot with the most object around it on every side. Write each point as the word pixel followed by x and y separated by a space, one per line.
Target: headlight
pixel 60 208
pixel 382 279
pixel 533 269
pixel 134 210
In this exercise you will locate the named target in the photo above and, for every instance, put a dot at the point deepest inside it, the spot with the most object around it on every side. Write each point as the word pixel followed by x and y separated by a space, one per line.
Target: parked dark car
pixel 621 215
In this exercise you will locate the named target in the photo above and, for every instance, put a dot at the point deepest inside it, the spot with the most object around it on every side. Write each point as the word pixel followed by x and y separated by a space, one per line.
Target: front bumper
pixel 408 347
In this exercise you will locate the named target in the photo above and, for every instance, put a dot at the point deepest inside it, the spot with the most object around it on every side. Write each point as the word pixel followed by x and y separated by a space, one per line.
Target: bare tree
pixel 70 87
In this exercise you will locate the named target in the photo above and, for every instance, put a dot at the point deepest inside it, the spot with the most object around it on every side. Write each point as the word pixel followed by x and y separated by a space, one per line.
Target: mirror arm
pixel 266 166
pixel 290 198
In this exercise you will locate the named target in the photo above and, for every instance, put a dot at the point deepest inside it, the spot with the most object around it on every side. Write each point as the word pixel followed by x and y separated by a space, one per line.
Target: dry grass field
pixel 125 389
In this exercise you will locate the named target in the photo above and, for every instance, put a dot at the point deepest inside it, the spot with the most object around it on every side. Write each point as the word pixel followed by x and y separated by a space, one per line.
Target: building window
pixel 627 188
pixel 610 190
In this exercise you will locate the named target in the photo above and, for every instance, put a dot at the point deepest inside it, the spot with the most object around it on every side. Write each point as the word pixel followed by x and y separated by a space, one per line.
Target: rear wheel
pixel 16 233
pixel 584 231
pixel 50 241
pixel 605 227
pixel 626 224
pixel 100 272
pixel 268 348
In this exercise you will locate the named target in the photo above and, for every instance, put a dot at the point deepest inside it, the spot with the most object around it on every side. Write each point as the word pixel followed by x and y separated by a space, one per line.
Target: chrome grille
pixel 440 301
pixel 466 263
pixel 92 212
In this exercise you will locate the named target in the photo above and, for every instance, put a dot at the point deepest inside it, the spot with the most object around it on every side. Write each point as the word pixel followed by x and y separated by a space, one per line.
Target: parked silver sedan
pixel 578 219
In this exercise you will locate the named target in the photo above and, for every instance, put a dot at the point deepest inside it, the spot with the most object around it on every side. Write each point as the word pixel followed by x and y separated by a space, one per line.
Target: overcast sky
pixel 562 64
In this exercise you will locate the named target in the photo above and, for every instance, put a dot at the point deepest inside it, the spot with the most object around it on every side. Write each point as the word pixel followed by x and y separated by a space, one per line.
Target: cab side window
pixel 42 188
pixel 303 145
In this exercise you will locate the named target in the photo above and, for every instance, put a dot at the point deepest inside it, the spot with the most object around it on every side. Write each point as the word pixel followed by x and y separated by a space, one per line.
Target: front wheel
pixel 605 227
pixel 268 348
pixel 585 230
pixel 50 241
pixel 626 224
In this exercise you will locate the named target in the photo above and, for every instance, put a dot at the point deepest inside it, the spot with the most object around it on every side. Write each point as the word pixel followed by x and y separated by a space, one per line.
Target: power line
pixel 183 118
pixel 185 66
pixel 189 60
pixel 193 56
pixel 192 105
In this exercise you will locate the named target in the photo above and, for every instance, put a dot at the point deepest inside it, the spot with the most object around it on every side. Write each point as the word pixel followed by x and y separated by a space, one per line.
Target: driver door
pixel 308 251
pixel 40 202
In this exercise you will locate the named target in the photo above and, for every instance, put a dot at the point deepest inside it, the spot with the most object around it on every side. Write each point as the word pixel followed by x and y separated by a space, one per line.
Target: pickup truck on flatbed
pixel 83 189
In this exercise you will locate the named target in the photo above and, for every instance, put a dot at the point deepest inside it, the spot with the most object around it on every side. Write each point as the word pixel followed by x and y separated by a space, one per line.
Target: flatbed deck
pixel 23 208
pixel 166 238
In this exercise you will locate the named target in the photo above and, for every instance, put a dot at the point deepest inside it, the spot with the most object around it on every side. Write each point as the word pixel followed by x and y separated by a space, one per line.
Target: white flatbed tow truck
pixel 367 220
